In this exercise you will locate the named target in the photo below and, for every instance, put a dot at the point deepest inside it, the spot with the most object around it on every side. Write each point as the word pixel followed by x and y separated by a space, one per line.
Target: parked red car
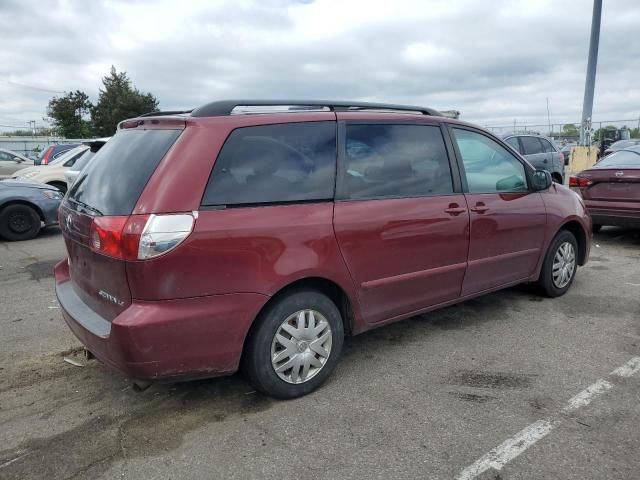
pixel 611 189
pixel 225 236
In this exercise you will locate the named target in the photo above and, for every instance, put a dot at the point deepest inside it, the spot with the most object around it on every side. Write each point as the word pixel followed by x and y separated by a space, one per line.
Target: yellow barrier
pixel 582 158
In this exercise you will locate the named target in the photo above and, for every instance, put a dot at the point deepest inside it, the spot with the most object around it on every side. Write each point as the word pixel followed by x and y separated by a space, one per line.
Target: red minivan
pixel 258 234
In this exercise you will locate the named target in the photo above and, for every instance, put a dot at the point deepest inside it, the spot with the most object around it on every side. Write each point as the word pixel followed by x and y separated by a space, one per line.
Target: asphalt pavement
pixel 507 386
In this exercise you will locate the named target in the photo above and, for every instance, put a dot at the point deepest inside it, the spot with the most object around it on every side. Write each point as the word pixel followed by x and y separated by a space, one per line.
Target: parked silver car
pixel 11 162
pixel 540 151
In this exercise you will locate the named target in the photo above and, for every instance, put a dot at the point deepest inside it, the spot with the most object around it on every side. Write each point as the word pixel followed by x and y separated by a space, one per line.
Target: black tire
pixel 257 364
pixel 546 282
pixel 596 228
pixel 59 185
pixel 19 222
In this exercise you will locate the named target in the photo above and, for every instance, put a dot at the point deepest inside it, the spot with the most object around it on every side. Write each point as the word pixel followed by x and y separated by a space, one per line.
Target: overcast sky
pixel 492 60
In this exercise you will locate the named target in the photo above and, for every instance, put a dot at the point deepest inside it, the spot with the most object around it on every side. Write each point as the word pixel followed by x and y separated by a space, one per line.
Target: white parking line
pixel 514 446
pixel 585 396
pixel 507 451
pixel 628 369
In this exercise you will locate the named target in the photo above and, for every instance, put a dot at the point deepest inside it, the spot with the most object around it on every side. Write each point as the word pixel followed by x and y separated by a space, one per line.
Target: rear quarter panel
pixel 246 250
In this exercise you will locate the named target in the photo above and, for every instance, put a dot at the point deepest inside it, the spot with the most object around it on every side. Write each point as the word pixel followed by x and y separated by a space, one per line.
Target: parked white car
pixel 53 174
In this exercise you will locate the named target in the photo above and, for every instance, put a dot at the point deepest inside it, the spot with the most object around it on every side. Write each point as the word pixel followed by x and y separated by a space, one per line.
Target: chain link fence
pixel 569 132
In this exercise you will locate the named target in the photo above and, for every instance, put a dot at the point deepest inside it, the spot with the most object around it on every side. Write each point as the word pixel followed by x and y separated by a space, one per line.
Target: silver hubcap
pixel 564 264
pixel 301 346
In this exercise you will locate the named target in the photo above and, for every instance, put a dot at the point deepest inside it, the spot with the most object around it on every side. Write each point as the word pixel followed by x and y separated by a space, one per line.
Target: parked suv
pixel 208 240
pixel 540 151
pixel 52 152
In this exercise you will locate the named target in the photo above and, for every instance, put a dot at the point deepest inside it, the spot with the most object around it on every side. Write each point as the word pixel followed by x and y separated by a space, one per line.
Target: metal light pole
pixel 587 106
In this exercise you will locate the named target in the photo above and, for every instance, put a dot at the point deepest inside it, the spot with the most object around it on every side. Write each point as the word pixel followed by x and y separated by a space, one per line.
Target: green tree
pixel 570 129
pixel 69 114
pixel 635 133
pixel 117 101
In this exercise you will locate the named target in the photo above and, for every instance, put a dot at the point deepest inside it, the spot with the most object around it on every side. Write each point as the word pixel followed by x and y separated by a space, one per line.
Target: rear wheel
pixel 19 222
pixel 596 228
pixel 59 185
pixel 560 265
pixel 295 345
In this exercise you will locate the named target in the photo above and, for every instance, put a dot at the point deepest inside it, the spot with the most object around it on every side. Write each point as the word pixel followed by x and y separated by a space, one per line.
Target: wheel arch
pixel 328 287
pixel 581 235
pixel 25 203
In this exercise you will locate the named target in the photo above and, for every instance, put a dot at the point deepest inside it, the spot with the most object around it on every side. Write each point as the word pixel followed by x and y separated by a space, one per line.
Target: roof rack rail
pixel 226 107
pixel 166 112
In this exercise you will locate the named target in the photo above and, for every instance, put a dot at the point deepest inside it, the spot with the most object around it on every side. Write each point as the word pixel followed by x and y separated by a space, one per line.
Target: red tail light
pixel 139 237
pixel 579 181
pixel 47 154
pixel 117 237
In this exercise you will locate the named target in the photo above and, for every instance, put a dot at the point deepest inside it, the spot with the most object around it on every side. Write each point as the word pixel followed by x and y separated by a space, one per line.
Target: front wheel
pixel 295 345
pixel 19 222
pixel 560 265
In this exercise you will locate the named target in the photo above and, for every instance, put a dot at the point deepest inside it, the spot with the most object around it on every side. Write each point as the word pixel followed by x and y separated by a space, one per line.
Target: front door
pixel 507 218
pixel 401 222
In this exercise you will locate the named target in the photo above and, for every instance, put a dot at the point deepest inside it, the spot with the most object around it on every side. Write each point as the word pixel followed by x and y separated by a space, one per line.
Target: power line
pixel 31 87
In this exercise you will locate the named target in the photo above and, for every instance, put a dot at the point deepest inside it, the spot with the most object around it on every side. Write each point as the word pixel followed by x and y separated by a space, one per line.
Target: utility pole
pixel 549 118
pixel 587 106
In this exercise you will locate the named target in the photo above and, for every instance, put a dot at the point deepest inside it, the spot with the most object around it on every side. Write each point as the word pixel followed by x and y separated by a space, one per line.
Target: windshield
pixel 620 159
pixel 69 155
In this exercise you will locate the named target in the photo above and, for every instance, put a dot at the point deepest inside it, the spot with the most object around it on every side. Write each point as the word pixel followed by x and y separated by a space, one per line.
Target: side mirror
pixel 541 180
pixel 17 159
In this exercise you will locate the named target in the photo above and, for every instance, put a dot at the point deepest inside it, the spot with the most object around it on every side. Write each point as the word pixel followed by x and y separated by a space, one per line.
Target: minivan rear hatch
pixel 96 215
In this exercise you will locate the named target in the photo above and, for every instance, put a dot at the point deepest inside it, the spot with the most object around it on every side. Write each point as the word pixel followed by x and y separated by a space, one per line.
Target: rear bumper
pixel 171 339
pixel 614 213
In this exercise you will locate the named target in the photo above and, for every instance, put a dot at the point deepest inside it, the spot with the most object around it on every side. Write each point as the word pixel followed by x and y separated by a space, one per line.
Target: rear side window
pixel 395 161
pixel 513 141
pixel 286 162
pixel 548 148
pixel 531 145
pixel 112 184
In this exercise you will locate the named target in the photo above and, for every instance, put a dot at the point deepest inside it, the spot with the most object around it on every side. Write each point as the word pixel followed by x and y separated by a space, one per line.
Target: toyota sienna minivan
pixel 256 235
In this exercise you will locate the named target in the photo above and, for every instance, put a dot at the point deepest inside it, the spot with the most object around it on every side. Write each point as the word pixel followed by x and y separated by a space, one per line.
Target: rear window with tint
pixel 113 182
pixel 288 162
pixel 620 159
pixel 83 160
